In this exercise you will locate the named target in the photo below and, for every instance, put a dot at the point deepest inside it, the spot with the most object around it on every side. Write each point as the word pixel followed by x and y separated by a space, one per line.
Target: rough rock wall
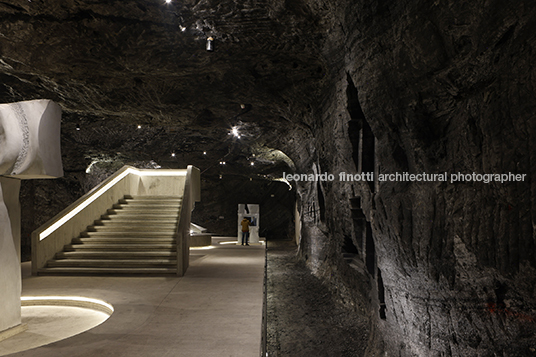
pixel 429 87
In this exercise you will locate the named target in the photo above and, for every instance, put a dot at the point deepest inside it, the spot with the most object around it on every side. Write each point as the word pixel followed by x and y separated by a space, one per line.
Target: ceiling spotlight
pixel 172 154
pixel 139 126
pixel 168 1
pixel 243 106
pixel 77 127
pixel 182 28
pixel 210 46
pixel 204 152
pixel 252 163
pixel 235 132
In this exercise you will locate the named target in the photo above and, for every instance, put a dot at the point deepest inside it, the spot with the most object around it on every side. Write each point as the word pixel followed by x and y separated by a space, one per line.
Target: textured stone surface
pixel 318 86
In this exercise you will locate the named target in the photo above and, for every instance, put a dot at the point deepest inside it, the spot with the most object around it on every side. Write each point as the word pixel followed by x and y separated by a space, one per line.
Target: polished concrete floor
pixel 214 310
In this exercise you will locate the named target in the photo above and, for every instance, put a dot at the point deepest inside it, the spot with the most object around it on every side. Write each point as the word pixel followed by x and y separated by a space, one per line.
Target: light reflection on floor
pixel 47 324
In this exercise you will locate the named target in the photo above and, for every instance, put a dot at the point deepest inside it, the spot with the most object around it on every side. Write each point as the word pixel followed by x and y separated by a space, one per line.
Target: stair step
pixel 111 263
pixel 133 222
pixel 138 210
pixel 125 241
pixel 120 247
pixel 107 271
pixel 151 203
pixel 139 218
pixel 144 212
pixel 170 228
pixel 137 197
pixel 126 234
pixel 115 255
pixel 151 207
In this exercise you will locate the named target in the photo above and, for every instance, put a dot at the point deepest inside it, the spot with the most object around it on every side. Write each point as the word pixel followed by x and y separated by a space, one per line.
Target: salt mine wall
pixel 428 87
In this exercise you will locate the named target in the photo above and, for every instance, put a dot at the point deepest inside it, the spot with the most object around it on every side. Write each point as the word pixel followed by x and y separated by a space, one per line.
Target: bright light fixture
pixel 139 126
pixel 172 154
pixel 168 1
pixel 285 181
pixel 235 132
pixel 202 248
pixel 35 299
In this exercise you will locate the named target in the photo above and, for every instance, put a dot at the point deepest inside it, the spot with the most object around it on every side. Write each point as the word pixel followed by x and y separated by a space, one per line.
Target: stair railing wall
pixel 192 194
pixel 69 223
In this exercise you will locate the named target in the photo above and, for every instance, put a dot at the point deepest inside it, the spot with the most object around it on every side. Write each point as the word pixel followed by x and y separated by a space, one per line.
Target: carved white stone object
pixel 29 148
pixel 30 139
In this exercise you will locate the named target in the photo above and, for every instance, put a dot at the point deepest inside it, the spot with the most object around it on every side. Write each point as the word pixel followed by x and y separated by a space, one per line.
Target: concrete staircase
pixel 136 236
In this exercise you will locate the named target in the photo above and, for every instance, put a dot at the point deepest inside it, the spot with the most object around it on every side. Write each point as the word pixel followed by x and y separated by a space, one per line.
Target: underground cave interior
pixel 437 268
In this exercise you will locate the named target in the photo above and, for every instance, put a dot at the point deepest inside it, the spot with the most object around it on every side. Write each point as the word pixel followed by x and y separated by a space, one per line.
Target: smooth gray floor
pixel 214 310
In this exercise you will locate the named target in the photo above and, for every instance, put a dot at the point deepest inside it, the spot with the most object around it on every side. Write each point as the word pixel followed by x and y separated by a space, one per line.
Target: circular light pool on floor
pixel 54 318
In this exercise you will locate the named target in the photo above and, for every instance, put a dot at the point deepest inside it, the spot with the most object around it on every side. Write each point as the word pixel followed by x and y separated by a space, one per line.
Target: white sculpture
pixel 29 148
pixel 29 139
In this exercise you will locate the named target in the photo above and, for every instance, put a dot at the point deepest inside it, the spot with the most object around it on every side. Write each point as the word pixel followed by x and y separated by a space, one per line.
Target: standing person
pixel 245 230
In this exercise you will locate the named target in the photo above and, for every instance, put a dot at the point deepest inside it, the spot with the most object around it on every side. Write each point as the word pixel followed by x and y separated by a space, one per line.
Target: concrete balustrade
pixel 68 224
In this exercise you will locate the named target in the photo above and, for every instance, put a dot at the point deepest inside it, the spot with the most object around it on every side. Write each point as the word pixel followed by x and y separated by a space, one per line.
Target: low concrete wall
pixel 200 239
pixel 68 224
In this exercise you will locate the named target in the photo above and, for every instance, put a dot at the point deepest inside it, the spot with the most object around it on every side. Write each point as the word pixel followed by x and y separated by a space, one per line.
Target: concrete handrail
pixel 69 223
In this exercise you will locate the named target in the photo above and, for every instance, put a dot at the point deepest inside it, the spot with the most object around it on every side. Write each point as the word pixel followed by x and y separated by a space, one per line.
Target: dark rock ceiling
pixel 114 65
